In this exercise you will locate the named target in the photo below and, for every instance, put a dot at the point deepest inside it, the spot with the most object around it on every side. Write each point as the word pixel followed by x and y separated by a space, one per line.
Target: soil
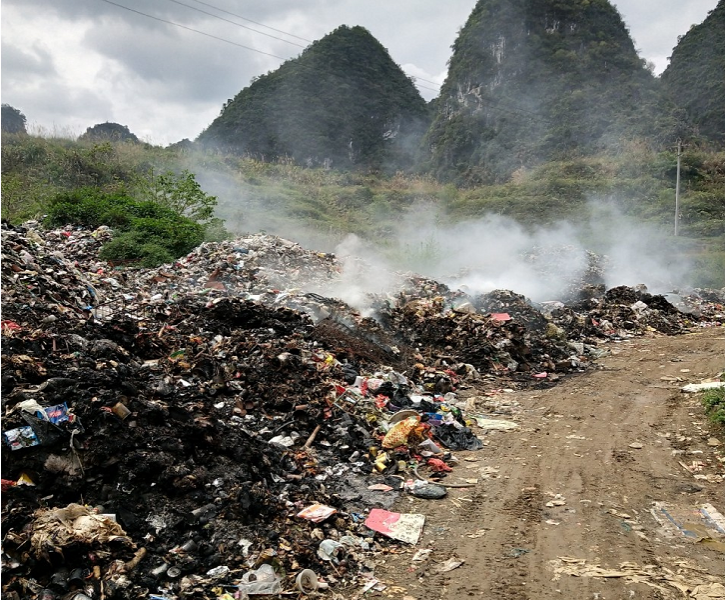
pixel 574 446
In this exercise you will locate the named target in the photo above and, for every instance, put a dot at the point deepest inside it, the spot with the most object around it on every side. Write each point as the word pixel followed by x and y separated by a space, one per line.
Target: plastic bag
pixel 457 438
pixel 399 433
pixel 260 582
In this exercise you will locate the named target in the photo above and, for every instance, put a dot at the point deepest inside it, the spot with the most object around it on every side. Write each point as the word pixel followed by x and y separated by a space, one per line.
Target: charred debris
pixel 212 427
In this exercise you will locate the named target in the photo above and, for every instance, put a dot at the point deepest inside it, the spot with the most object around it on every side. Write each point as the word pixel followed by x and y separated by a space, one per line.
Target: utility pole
pixel 677 189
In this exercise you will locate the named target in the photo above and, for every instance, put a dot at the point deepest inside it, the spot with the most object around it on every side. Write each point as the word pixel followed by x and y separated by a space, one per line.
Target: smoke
pixel 542 262
pixel 495 252
pixel 363 271
pixel 638 252
pixel 546 262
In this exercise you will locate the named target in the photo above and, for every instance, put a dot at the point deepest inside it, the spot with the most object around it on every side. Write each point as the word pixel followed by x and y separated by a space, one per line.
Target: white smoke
pixel 478 255
pixel 496 252
pixel 363 271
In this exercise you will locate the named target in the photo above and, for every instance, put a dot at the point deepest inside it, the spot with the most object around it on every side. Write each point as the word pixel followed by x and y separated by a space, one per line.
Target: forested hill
pixel 342 103
pixel 537 80
pixel 695 78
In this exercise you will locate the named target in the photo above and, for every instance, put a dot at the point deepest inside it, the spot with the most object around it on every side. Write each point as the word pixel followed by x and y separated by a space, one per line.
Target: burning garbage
pixel 214 426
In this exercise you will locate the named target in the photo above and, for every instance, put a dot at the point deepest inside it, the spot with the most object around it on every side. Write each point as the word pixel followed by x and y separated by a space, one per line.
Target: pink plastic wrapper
pixel 316 512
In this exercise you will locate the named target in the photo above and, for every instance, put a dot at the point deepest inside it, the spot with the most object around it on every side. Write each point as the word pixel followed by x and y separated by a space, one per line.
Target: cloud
pixel 174 66
pixel 655 27
pixel 139 71
pixel 85 10
pixel 19 64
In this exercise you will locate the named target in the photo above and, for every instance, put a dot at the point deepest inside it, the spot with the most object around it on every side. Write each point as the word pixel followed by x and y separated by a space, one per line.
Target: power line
pixel 427 81
pixel 250 21
pixel 138 12
pixel 415 77
pixel 237 24
pixel 221 39
pixel 427 88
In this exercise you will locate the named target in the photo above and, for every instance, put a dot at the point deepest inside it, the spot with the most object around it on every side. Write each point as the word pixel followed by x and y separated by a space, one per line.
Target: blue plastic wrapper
pixel 21 437
pixel 55 414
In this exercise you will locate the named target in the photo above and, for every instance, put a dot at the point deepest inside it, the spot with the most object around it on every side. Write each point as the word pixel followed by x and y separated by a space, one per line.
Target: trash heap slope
pixel 164 428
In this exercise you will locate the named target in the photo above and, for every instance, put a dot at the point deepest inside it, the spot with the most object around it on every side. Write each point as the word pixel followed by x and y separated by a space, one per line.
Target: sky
pixel 70 64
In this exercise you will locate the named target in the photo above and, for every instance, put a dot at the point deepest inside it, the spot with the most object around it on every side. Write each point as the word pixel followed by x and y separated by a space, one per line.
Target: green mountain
pixel 537 80
pixel 109 132
pixel 695 77
pixel 342 103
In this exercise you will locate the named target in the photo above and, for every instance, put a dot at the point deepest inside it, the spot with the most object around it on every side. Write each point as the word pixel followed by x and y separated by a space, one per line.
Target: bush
pixel 714 403
pixel 146 231
pixel 134 246
pixel 90 207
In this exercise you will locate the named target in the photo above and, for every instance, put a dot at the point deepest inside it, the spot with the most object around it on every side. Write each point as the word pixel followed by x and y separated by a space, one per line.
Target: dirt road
pixel 593 475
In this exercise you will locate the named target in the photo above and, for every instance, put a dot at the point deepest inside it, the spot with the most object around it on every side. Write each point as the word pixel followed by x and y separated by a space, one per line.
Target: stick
pixel 448 485
pixel 311 439
pixel 132 564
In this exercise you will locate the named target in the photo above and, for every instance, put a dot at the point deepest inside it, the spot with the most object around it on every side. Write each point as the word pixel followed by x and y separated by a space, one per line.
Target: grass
pixel 283 197
pixel 714 403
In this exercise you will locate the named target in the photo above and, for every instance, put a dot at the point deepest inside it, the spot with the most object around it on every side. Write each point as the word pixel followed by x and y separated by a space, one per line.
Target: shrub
pixel 135 246
pixel 146 231
pixel 89 207
pixel 179 192
pixel 714 403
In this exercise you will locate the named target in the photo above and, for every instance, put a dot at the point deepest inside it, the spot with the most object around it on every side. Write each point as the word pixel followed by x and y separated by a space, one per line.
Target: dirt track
pixel 574 441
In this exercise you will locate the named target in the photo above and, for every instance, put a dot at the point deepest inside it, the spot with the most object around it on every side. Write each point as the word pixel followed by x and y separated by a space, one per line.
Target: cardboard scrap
pixel 56 528
pixel 405 527
pixel 704 524
pixel 494 424
pixel 688 579
pixel 712 515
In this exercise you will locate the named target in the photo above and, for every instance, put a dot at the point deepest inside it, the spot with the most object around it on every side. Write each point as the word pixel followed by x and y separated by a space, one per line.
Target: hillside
pixel 343 103
pixel 320 207
pixel 694 79
pixel 537 80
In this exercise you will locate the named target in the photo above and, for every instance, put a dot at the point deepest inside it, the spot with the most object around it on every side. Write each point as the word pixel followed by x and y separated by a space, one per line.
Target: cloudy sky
pixel 69 64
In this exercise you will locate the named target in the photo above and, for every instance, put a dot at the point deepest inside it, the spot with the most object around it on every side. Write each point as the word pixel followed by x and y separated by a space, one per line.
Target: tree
pixel 13 121
pixel 179 192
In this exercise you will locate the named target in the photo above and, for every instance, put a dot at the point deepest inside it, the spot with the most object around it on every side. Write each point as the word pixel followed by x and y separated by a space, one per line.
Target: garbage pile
pixel 210 428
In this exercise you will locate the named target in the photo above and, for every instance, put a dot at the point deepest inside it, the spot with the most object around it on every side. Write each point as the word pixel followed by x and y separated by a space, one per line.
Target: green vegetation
pixel 547 115
pixel 146 231
pixel 13 121
pixel 109 132
pixel 714 403
pixel 343 103
pixel 40 174
pixel 694 78
pixel 180 193
pixel 158 213
pixel 532 81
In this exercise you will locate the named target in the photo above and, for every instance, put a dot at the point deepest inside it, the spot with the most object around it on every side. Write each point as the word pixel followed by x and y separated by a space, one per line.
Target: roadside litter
pixel 219 424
